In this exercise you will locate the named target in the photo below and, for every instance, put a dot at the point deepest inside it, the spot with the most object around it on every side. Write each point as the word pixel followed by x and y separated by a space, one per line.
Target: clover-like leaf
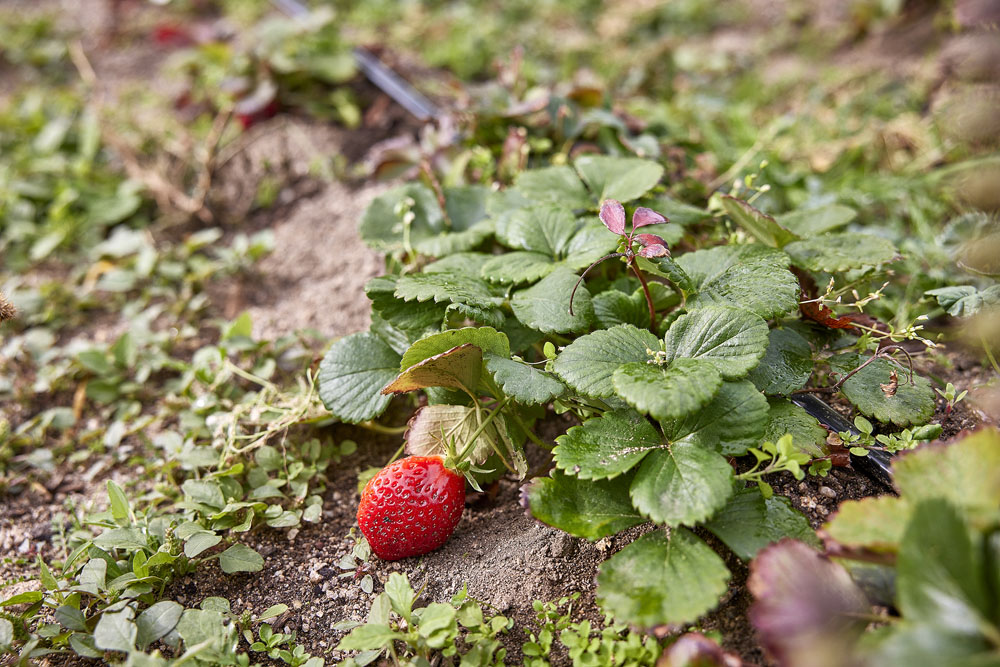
pixel 808 435
pixel 621 178
pixel 732 340
pixel 907 405
pixel 804 603
pixel 591 509
pixel 749 522
pixel 457 368
pixel 836 253
pixel 524 383
pixel 763 227
pixel 730 424
pixel 588 363
pixel 786 366
pixel 661 580
pixel 749 276
pixel 606 446
pixel 545 306
pixel 353 372
pixel 667 392
pixel 682 485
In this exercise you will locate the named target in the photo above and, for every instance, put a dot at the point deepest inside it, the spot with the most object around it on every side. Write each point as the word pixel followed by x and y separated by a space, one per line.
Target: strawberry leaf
pixel 804 602
pixel 733 340
pixel 518 267
pixel 808 436
pixel 873 523
pixel 353 371
pixel 621 178
pixel 745 276
pixel 588 363
pixel 489 340
pixel 763 227
pixel 749 522
pixel 612 307
pixel 606 446
pixel 682 485
pixel 588 509
pixel 908 405
pixel 660 580
pixel 382 224
pixel 667 393
pixel 836 253
pixel 812 222
pixel 786 366
pixel 730 424
pixel 447 287
pixel 457 368
pixel 412 318
pixel 559 184
pixel 545 305
pixel 525 384
pixel 544 228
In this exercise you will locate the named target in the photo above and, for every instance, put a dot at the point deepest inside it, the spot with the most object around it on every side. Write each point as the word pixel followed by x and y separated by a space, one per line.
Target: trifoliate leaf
pixel 612 307
pixel 545 305
pixel 606 446
pixel 559 184
pixel 763 227
pixel 808 435
pixel 525 384
pixel 353 372
pixel 745 276
pixel 382 226
pixel 588 363
pixel 836 253
pixel 786 366
pixel 731 339
pixel 907 405
pixel 661 580
pixel 730 424
pixel 668 392
pixel 412 318
pixel 748 523
pixel 489 340
pixel 682 485
pixel 457 368
pixel 447 287
pixel 436 427
pixel 814 221
pixel 515 268
pixel 620 178
pixel 459 314
pixel 584 508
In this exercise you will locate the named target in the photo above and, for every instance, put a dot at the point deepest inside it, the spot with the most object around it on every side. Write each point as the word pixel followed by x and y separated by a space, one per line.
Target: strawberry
pixel 411 507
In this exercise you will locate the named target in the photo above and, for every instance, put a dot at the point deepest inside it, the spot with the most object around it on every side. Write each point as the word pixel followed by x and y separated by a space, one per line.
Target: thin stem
pixel 379 428
pixel 584 275
pixel 989 353
pixel 482 427
pixel 645 290
pixel 531 436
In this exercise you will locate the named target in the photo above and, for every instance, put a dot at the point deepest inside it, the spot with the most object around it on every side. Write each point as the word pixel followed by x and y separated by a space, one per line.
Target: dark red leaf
pixel 696 650
pixel 644 216
pixel 613 216
pixel 650 239
pixel 654 250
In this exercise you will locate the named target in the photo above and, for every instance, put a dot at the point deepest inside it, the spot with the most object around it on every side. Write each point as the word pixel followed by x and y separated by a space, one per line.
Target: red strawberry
pixel 411 507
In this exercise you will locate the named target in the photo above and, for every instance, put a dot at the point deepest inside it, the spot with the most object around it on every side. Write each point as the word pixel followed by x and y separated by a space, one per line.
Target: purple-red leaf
pixel 650 239
pixel 806 604
pixel 613 216
pixel 644 216
pixel 696 650
pixel 655 250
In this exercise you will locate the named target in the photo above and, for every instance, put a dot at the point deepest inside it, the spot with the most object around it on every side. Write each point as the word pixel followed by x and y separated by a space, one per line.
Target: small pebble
pixel 827 491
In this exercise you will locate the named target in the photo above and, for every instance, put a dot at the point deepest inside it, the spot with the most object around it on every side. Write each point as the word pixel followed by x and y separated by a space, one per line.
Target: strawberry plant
pixel 675 364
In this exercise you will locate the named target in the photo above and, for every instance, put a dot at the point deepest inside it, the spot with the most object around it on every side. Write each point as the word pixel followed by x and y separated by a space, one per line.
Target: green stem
pixel 379 428
pixel 482 427
pixel 989 354
pixel 531 435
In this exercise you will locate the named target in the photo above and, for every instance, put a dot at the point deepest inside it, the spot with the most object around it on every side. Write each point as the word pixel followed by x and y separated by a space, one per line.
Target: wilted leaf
pixel 457 368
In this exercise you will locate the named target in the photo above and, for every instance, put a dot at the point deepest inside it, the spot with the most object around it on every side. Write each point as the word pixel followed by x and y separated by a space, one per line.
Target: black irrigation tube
pixel 877 465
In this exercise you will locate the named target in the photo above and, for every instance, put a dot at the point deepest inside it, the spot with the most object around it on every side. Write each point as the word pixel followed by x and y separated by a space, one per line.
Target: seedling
pixel 952 396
